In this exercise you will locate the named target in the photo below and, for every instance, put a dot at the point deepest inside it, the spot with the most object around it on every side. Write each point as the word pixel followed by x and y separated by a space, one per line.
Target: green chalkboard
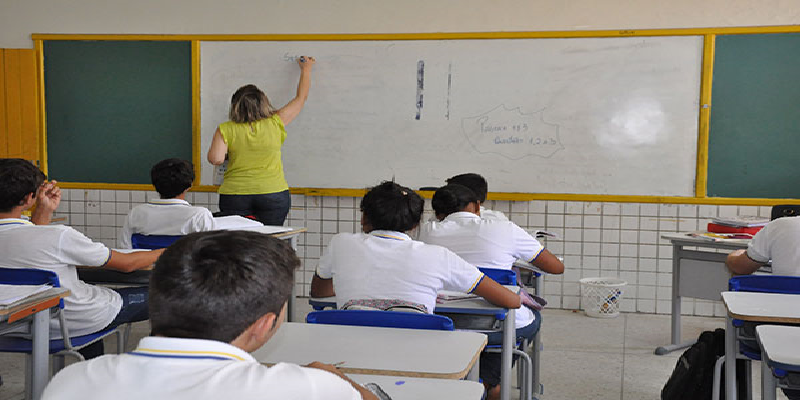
pixel 754 129
pixel 115 108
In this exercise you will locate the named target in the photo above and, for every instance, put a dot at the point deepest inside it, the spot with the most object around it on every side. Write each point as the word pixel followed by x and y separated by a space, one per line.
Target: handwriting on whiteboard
pixel 512 134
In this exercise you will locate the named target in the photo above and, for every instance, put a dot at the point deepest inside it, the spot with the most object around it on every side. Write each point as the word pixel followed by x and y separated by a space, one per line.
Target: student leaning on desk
pixel 58 248
pixel 778 242
pixel 214 297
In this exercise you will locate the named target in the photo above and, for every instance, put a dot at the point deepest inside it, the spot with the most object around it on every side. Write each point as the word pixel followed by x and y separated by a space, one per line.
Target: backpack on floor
pixel 693 376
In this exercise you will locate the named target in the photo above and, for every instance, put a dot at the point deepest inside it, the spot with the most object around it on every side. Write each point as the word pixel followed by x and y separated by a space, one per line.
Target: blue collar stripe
pixel 181 356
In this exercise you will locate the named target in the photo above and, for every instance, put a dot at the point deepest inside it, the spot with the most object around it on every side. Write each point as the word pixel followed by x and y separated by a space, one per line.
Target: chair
pixel 786 210
pixel 501 276
pixel 153 242
pixel 377 318
pixel 745 331
pixel 58 347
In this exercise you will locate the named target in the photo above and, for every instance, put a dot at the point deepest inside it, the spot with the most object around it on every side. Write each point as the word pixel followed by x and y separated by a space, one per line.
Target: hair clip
pixel 405 193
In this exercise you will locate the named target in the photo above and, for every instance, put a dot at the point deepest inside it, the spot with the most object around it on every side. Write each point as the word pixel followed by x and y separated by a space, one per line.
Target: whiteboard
pixel 614 116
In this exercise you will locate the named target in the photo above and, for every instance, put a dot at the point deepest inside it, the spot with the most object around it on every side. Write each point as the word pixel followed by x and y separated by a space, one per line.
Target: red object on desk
pixel 717 228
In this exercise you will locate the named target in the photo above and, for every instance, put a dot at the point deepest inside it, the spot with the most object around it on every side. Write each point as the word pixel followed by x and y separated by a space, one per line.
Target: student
pixel 777 241
pixel 172 214
pixel 383 267
pixel 254 183
pixel 478 184
pixel 204 328
pixel 487 244
pixel 58 248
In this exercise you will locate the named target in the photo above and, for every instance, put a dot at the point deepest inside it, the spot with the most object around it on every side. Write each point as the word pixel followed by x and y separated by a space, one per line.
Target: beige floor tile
pixel 565 330
pixel 572 375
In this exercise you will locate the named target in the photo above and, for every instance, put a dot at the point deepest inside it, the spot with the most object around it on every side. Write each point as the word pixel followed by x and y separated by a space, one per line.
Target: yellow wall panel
pixel 19 112
pixel 3 127
pixel 29 105
pixel 13 106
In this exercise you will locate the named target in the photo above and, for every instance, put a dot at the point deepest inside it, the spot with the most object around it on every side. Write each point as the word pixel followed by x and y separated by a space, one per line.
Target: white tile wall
pixel 596 239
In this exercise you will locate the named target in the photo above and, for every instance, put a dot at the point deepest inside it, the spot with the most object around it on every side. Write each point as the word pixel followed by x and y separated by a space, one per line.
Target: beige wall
pixel 20 18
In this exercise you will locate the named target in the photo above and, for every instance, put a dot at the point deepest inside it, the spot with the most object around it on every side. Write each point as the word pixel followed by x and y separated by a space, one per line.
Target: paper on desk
pixel 10 294
pixel 231 222
pixel 448 295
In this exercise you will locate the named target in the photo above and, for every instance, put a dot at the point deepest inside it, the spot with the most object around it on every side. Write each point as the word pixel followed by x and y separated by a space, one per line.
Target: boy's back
pixel 192 369
pixel 165 217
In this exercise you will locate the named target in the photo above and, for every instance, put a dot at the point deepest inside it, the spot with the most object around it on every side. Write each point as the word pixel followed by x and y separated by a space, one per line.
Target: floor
pixel 583 357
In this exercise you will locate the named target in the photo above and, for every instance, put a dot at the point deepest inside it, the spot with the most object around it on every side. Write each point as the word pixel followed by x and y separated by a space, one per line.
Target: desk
pixel 696 273
pixel 755 307
pixel 475 306
pixel 377 351
pixel 405 388
pixel 34 312
pixel 780 348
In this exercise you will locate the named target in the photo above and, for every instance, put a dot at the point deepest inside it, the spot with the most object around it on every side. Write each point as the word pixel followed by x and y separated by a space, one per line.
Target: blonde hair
pixel 249 104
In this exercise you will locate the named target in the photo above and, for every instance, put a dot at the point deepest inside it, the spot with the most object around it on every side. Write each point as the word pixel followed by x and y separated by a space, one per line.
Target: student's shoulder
pixel 312 383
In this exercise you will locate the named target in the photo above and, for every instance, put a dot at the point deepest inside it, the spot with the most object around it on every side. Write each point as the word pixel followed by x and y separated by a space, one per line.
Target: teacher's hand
pixel 306 62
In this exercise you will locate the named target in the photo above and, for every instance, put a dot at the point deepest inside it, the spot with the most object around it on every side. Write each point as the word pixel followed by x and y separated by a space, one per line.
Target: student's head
pixel 391 207
pixel 454 198
pixel 171 177
pixel 215 285
pixel 18 179
pixel 249 104
pixel 474 182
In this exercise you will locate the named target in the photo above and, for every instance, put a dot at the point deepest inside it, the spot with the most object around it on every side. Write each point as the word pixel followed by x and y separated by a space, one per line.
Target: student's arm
pixel 321 287
pixel 291 109
pixel 48 197
pixel 496 294
pixel 129 262
pixel 740 263
pixel 365 394
pixel 218 149
pixel 548 262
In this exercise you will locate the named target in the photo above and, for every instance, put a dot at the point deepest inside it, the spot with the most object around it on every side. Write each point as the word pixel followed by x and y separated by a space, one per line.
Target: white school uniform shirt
pixel 389 265
pixel 778 241
pixel 492 214
pixel 59 248
pixel 485 244
pixel 193 369
pixel 165 217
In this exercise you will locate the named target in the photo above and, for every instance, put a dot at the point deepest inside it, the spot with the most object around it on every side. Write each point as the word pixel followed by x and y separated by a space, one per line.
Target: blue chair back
pixel 30 276
pixel 153 242
pixel 501 276
pixel 765 284
pixel 385 319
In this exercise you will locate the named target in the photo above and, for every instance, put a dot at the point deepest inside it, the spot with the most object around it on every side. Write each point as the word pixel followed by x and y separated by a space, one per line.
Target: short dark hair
pixel 214 285
pixel 474 182
pixel 172 177
pixel 452 198
pixel 18 178
pixel 392 207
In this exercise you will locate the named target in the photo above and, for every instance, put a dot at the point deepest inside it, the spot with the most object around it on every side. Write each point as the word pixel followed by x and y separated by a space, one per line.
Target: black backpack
pixel 693 376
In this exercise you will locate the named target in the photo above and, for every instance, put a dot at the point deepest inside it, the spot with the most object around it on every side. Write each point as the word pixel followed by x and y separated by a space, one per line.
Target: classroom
pixel 603 123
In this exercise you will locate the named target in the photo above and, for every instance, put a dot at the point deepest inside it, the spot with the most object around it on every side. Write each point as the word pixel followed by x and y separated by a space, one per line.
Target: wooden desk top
pixel 684 239
pixel 376 351
pixel 781 345
pixel 406 388
pixel 48 298
pixel 763 307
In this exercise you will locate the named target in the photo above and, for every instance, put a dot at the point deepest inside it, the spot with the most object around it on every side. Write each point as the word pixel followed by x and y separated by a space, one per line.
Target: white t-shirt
pixel 165 217
pixel 492 214
pixel 59 248
pixel 484 243
pixel 193 369
pixel 779 241
pixel 389 265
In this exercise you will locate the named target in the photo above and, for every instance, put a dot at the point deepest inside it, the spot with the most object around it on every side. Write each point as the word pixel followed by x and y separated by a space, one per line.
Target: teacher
pixel 251 141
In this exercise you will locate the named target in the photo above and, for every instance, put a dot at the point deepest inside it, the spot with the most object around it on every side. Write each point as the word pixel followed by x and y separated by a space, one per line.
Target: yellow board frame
pixel 701 174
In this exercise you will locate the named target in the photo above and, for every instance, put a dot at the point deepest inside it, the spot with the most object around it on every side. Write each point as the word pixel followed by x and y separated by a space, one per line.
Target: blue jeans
pixel 269 209
pixel 134 309
pixel 490 362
